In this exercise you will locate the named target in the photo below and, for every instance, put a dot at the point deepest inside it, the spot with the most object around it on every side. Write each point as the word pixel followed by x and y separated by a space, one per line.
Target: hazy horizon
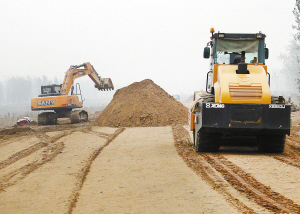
pixel 129 41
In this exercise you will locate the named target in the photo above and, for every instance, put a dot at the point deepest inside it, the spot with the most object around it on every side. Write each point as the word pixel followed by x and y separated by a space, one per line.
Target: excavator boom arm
pixel 75 71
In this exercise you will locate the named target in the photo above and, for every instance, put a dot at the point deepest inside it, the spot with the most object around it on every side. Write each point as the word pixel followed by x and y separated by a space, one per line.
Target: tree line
pixel 291 59
pixel 19 90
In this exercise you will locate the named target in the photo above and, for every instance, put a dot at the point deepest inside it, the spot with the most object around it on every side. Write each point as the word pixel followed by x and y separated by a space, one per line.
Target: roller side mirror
pixel 266 53
pixel 206 52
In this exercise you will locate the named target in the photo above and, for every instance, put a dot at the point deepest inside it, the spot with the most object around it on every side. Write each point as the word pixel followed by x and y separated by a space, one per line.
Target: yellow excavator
pixel 59 100
pixel 237 103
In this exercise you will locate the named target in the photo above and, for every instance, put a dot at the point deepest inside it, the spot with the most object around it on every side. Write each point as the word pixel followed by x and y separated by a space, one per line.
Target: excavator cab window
pixel 56 89
pixel 46 90
pixel 50 89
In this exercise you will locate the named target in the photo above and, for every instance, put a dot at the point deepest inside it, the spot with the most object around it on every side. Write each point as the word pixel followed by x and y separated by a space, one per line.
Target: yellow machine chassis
pixel 55 102
pixel 230 87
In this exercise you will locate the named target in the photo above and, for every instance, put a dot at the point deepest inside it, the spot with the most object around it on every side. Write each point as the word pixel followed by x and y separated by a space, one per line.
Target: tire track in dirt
pixel 205 164
pixel 101 134
pixel 291 154
pixel 45 141
pixel 248 185
pixel 15 131
pixel 54 183
pixel 198 164
pixel 86 169
pixel 141 172
pixel 21 154
pixel 52 149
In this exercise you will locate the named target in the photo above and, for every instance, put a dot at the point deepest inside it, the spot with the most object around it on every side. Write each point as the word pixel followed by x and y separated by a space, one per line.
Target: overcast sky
pixel 129 41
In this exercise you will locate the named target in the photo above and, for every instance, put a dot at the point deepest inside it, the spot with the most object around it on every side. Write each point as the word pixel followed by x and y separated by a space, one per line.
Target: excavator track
pixel 79 116
pixel 47 118
pixel 42 118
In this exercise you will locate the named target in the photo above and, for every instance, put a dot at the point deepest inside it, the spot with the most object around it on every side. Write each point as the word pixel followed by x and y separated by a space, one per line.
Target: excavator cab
pixel 51 90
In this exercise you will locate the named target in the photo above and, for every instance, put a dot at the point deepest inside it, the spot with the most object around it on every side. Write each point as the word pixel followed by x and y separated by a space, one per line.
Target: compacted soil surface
pixel 92 169
pixel 141 161
pixel 83 168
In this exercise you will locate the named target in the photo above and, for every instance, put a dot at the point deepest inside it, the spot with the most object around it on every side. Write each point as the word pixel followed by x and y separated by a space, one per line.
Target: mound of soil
pixel 14 130
pixel 34 123
pixel 7 133
pixel 142 104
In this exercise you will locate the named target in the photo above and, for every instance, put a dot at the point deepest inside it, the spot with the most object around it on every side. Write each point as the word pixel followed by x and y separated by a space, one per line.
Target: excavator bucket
pixel 105 84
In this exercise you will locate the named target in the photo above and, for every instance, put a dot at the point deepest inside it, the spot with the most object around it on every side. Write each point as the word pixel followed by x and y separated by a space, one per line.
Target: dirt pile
pixel 7 133
pixel 142 104
pixel 14 130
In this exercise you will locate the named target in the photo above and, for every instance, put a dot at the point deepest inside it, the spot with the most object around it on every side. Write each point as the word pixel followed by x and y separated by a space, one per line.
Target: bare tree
pixel 291 59
pixel 1 93
pixel 296 13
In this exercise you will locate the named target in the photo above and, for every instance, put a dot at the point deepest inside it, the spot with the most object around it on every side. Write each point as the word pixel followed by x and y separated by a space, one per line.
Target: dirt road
pixel 141 172
pixel 78 168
